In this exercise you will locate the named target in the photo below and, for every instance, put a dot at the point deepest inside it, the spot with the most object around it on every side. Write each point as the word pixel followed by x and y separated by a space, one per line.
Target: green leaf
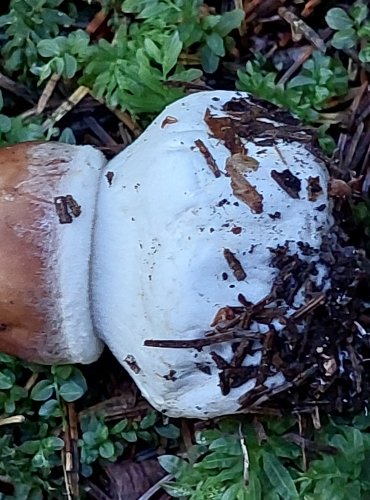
pixel 70 66
pixel 216 44
pixel 364 54
pixel 279 476
pixel 229 21
pixel 48 409
pixel 254 486
pixel 119 427
pixel 338 19
pixel 344 39
pixel 5 126
pixel 30 447
pixel 364 30
pixel 188 75
pixel 52 443
pixel 152 50
pixel 172 464
pixel 89 437
pixel 129 436
pixel 42 391
pixel 171 50
pixel 39 461
pixel 149 420
pixel 48 48
pixel 106 450
pixel 7 378
pixel 62 372
pixel 209 60
pixel 359 13
pixel 169 431
pixel 71 391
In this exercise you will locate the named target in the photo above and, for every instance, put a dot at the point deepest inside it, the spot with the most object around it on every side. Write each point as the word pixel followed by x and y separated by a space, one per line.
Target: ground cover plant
pixel 62 431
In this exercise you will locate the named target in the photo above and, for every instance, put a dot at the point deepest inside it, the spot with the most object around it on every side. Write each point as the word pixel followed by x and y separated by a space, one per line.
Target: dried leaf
pixel 287 181
pixel 223 314
pixel 235 265
pixel 243 163
pixel 244 191
pixel 339 189
pixel 224 129
pixel 211 162
pixel 314 189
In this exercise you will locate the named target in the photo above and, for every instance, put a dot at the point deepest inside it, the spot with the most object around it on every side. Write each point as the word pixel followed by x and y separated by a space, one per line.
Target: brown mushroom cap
pixel 44 251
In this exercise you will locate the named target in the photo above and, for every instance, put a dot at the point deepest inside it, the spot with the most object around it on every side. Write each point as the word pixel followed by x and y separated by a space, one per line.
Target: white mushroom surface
pixel 168 217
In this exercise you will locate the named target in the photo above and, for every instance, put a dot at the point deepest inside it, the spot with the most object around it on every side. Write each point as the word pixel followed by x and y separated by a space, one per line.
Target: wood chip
pixel 288 182
pixel 211 162
pixel 235 265
pixel 244 191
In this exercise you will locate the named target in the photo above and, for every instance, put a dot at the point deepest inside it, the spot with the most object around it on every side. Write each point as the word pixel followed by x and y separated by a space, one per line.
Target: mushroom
pixel 169 235
pixel 47 212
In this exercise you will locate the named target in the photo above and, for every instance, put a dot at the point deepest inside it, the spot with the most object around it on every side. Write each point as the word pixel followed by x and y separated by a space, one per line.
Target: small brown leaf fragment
pixel 244 191
pixel 169 120
pixel 211 162
pixel 223 314
pixel 109 176
pixel 224 129
pixel 234 265
pixel 339 189
pixel 314 189
pixel 243 163
pixel 288 182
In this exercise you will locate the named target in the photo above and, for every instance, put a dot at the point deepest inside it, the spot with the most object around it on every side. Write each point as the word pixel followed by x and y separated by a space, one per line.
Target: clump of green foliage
pixel 103 441
pixel 15 129
pixel 30 446
pixel 30 450
pixel 352 29
pixel 27 23
pixel 271 467
pixel 153 41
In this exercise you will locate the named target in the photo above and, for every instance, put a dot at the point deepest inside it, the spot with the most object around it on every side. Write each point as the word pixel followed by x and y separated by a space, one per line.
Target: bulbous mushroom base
pixel 186 221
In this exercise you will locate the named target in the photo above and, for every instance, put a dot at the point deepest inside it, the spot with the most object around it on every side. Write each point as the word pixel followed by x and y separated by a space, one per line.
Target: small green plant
pixel 271 463
pixel 15 129
pixel 65 54
pixel 28 22
pixel 102 441
pixel 156 47
pixel 351 29
pixel 30 446
pixel 307 94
